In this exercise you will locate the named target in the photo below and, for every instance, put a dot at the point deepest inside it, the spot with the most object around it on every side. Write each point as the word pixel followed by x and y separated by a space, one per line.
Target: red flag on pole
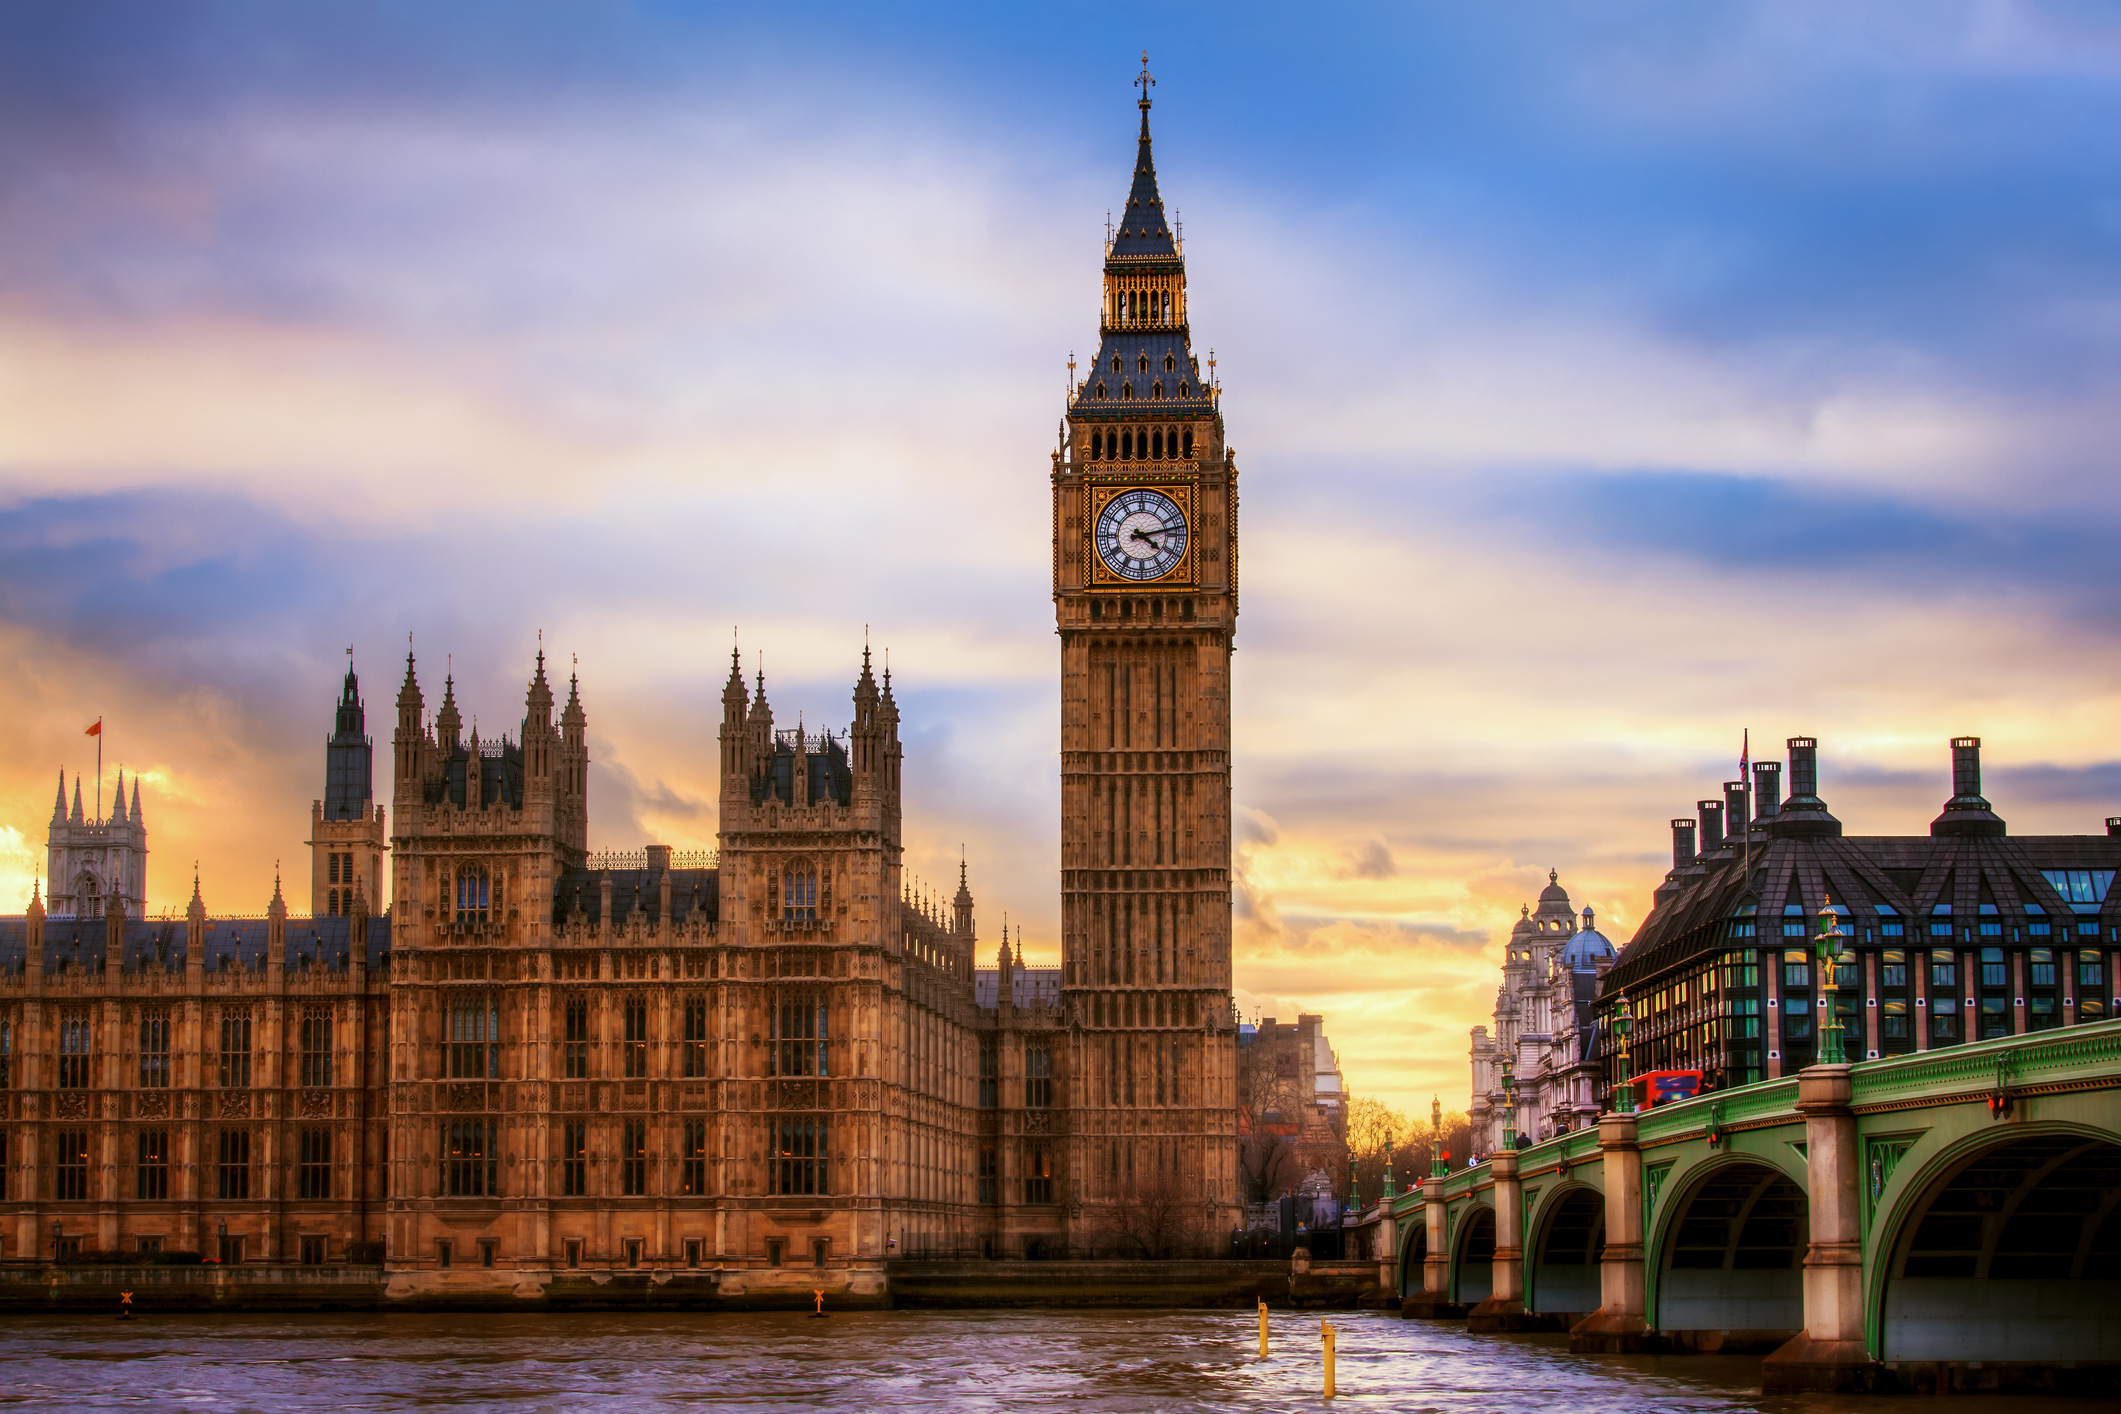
pixel 96 730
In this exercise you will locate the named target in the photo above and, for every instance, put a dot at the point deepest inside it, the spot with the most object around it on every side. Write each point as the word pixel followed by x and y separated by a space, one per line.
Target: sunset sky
pixel 1606 380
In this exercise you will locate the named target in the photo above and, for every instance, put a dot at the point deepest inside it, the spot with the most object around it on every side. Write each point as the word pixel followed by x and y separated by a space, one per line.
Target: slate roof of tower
pixel 637 891
pixel 1143 233
pixel 1028 986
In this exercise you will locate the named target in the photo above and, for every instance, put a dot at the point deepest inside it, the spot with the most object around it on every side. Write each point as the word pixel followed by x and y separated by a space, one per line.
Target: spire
pixel 278 907
pixel 197 908
pixel 59 805
pixel 36 899
pixel 409 693
pixel 77 800
pixel 117 816
pixel 539 698
pixel 1142 228
pixel 138 821
pixel 449 721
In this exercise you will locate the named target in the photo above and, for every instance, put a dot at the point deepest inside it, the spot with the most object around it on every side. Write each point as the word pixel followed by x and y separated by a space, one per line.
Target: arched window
pixel 799 895
pixel 1156 389
pixel 334 896
pixel 1126 445
pixel 1170 363
pixel 1100 392
pixel 1126 392
pixel 1156 443
pixel 472 894
pixel 1115 363
pixel 1141 363
pixel 1184 391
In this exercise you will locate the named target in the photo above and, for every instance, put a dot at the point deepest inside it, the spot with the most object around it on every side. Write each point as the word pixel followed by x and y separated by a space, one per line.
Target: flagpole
pixel 99 770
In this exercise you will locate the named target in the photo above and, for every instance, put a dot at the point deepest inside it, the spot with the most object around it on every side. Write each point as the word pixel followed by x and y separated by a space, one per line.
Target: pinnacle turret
pixel 118 811
pixel 77 816
pixel 59 805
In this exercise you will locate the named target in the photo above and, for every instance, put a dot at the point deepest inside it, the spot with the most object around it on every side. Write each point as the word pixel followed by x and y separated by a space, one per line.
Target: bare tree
pixel 1270 1123
pixel 1374 1128
pixel 1151 1217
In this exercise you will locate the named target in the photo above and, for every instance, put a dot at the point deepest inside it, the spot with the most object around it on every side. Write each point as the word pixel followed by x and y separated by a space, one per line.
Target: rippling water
pixel 994 1360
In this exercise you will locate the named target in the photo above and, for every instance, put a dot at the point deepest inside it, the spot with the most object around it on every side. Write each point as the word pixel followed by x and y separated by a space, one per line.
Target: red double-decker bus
pixel 1663 1086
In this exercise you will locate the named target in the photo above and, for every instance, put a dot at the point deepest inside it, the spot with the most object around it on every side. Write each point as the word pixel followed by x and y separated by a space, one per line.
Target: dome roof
pixel 1587 948
pixel 1553 892
pixel 1524 925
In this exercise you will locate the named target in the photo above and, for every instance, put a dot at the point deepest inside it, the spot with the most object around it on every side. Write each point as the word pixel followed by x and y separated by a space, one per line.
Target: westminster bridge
pixel 1942 1220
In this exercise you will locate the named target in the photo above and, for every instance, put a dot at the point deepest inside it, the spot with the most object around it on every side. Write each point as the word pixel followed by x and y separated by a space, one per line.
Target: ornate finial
pixel 1553 876
pixel 1145 82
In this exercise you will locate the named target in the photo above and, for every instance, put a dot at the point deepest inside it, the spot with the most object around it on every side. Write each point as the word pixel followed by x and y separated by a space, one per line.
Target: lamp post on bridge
pixel 1623 1086
pixel 1437 1167
pixel 1829 945
pixel 1509 1104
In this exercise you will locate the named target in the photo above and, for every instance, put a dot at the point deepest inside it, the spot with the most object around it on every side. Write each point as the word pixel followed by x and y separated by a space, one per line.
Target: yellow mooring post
pixel 1262 1330
pixel 1325 1329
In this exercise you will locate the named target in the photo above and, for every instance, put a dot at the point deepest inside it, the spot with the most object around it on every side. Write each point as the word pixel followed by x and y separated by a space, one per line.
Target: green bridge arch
pixel 1893 1131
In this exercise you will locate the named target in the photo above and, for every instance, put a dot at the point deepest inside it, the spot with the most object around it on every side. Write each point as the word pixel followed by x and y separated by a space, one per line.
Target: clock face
pixel 1141 535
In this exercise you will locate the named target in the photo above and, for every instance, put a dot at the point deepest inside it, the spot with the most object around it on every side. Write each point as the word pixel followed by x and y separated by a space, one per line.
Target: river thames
pixel 980 1360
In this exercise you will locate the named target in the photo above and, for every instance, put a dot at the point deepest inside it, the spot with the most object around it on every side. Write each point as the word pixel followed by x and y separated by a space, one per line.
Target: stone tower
pixel 92 862
pixel 346 840
pixel 1145 595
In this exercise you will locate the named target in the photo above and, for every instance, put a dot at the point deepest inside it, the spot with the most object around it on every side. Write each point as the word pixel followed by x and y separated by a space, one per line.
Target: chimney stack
pixel 1711 825
pixel 2113 824
pixel 1966 814
pixel 1804 813
pixel 1767 789
pixel 1736 817
pixel 1683 842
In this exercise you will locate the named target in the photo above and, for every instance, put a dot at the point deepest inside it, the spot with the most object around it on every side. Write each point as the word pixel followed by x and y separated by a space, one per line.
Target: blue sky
pixel 1606 379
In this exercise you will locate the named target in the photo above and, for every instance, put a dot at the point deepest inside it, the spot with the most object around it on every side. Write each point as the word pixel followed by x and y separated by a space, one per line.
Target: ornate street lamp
pixel 1829 945
pixel 1509 1104
pixel 1390 1191
pixel 1437 1167
pixel 1623 1087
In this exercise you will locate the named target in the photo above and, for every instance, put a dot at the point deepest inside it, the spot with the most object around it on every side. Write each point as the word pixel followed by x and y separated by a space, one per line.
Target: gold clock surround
pixel 1097 492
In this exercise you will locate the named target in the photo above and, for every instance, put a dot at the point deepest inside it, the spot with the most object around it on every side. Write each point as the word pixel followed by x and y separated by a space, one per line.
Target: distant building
pixel 346 827
pixel 1292 1105
pixel 1962 934
pixel 1544 1026
pixel 92 862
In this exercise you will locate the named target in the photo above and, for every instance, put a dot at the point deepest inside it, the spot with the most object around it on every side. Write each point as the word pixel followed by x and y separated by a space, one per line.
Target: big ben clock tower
pixel 1145 595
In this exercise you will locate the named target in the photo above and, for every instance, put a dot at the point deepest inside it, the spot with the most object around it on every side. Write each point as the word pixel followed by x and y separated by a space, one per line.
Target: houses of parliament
pixel 495 1058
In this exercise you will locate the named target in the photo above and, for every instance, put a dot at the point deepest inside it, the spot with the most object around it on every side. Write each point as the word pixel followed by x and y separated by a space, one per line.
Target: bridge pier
pixel 1618 1326
pixel 1829 1354
pixel 1433 1301
pixel 1504 1308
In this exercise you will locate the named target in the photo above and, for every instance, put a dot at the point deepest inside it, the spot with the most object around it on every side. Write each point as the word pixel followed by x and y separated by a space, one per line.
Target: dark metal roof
pixel 1143 233
pixel 1028 986
pixel 1873 877
pixel 235 943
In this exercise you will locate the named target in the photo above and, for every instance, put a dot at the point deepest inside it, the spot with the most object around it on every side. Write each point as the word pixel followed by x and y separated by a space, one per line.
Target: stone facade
pixel 1544 1025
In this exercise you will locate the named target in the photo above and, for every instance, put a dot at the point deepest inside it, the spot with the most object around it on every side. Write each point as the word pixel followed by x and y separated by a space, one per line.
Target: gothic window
pixel 1126 392
pixel 334 869
pixel 151 1174
pixel 1115 363
pixel 1100 392
pixel 1038 1074
pixel 1156 390
pixel 574 1161
pixel 1185 391
pixel 576 1045
pixel 636 1038
pixel 989 1173
pixel 633 1160
pixel 154 1049
pixel 990 1071
pixel 71 1168
pixel 1112 1069
pixel 799 895
pixel 232 1163
pixel 471 1166
pixel 1038 1175
pixel 694 1181
pixel 798 1023
pixel 695 1058
pixel 796 1164
pixel 316 1046
pixel 1141 364
pixel 332 901
pixel 1170 363
pixel 235 1047
pixel 313 1163
pixel 474 1044
pixel 7 1052
pixel 75 1040
pixel 472 895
